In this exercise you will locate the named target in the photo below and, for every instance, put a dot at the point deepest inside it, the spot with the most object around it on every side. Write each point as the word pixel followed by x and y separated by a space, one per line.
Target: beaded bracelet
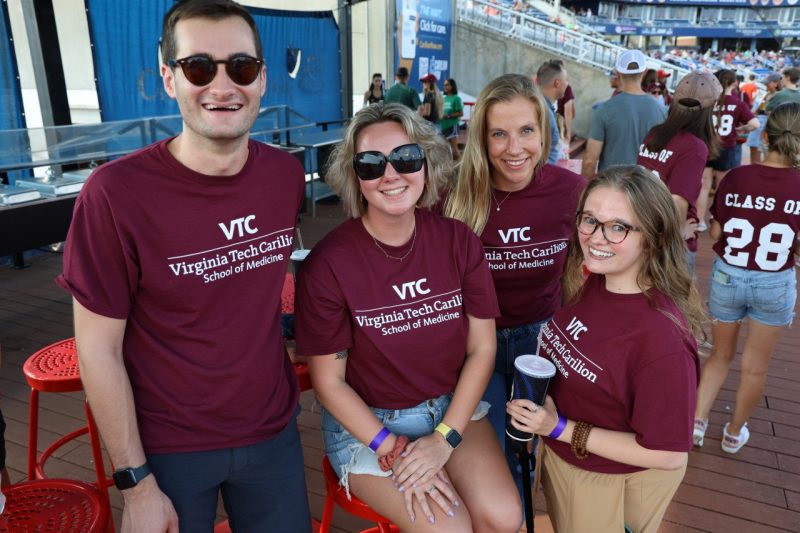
pixel 580 437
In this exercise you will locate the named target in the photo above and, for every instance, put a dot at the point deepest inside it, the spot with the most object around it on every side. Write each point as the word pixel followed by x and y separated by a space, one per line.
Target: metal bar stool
pixel 55 369
pixel 54 505
pixel 335 494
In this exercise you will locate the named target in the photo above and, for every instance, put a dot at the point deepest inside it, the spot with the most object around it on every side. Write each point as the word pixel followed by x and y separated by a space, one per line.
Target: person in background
pixel 431 108
pixel 649 79
pixel 771 82
pixel 750 89
pixel 375 92
pixel 175 259
pixel 553 81
pixel 663 75
pixel 753 275
pixel 565 108
pixel 401 93
pixel 788 92
pixel 395 309
pixel 731 117
pixel 522 209
pixel 617 423
pixel 615 83
pixel 677 150
pixel 620 124
pixel 452 111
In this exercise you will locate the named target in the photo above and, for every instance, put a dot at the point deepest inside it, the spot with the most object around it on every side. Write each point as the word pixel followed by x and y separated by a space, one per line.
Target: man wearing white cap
pixel 620 124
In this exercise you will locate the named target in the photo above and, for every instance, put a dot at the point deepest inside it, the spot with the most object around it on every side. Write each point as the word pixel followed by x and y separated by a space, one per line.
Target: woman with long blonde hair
pixel 523 210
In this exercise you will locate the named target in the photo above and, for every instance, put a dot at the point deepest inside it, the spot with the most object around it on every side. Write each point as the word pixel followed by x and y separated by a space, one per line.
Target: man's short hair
pixel 548 72
pixel 209 9
pixel 793 74
pixel 402 72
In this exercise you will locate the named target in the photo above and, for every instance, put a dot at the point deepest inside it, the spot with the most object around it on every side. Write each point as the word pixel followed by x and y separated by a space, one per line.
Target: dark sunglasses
pixel 200 70
pixel 405 159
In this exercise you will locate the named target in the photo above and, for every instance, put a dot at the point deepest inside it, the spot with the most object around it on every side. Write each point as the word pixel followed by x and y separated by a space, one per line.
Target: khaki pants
pixel 579 501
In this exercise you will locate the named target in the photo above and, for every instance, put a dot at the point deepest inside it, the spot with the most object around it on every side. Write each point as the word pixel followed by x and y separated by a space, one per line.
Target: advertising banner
pixel 422 38
pixel 717 3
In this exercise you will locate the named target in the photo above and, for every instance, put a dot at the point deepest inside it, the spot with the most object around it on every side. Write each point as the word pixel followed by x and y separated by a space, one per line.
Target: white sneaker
pixel 731 443
pixel 700 426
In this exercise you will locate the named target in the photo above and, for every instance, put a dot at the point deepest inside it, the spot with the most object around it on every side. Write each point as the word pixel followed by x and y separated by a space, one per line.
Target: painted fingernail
pixel 413 485
pixel 450 513
pixel 402 489
pixel 394 478
pixel 431 520
pixel 455 502
pixel 412 518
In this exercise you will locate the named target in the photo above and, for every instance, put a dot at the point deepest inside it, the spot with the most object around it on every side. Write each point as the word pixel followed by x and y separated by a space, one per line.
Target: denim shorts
pixel 754 137
pixel 726 159
pixel 736 293
pixel 349 456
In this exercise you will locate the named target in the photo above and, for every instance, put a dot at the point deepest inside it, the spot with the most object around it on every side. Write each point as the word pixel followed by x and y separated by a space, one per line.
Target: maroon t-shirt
pixel 562 102
pixel 403 323
pixel 680 165
pixel 732 114
pixel 526 244
pixel 759 210
pixel 623 365
pixel 195 264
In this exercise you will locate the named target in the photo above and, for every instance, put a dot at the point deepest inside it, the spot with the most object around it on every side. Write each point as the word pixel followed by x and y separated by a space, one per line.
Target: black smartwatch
pixel 127 478
pixel 452 436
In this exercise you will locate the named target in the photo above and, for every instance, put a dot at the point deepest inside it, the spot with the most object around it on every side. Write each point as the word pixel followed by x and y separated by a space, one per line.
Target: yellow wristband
pixel 444 429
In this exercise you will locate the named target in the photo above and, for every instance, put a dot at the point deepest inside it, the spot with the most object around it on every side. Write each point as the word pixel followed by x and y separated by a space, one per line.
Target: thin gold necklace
pixel 390 256
pixel 498 204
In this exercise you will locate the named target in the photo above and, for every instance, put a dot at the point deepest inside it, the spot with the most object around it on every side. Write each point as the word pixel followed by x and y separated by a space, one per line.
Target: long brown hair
pixel 664 267
pixel 469 199
pixel 783 132
pixel 699 122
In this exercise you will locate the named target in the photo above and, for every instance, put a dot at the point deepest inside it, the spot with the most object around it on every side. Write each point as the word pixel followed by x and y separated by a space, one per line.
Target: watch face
pixel 124 479
pixel 453 438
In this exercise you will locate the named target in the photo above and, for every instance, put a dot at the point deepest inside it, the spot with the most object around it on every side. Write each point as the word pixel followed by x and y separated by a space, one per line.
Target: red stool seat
pixel 335 493
pixel 57 505
pixel 54 368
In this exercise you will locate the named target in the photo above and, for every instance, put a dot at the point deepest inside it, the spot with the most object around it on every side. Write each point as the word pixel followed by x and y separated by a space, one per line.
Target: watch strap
pixel 127 478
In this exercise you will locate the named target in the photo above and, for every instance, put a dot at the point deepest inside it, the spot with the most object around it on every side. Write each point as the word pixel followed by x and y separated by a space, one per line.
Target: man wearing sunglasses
pixel 175 260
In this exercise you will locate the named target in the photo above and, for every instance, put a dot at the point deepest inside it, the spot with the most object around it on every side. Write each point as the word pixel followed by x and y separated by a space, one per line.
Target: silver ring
pixel 430 490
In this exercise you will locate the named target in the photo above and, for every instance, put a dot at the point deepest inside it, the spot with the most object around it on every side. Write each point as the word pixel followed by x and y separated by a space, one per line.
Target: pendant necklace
pixel 498 204
pixel 388 255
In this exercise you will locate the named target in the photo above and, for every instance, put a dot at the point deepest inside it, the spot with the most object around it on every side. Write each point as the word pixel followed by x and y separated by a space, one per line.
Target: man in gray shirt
pixel 620 125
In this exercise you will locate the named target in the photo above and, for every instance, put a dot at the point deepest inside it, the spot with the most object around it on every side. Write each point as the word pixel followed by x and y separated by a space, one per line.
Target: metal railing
pixel 575 45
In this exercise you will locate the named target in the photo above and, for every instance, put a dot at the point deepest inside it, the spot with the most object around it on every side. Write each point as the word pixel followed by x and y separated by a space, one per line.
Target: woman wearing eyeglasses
pixel 396 308
pixel 618 420
pixel 523 210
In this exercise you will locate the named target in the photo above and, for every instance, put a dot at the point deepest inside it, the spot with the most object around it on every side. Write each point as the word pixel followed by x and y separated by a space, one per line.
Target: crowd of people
pixel 413 311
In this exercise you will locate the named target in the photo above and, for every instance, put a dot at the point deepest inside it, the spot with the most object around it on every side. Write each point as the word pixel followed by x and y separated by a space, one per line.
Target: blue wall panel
pixel 125 38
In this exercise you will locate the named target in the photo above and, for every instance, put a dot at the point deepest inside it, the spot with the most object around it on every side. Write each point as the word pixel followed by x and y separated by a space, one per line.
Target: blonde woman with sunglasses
pixel 396 310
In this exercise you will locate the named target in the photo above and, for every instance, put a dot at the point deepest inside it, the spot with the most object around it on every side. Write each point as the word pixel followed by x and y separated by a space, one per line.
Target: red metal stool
pixel 335 493
pixel 55 505
pixel 55 369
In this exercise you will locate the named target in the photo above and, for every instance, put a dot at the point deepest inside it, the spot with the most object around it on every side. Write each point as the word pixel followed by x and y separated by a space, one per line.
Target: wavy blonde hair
pixel 664 267
pixel 438 160
pixel 470 197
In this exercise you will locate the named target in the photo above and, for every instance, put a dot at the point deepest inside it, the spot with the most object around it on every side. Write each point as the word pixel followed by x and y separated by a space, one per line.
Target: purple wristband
pixel 559 429
pixel 378 440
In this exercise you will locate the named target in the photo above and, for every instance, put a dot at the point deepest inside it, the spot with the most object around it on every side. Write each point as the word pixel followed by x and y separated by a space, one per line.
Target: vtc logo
pixel 411 288
pixel 515 234
pixel 238 227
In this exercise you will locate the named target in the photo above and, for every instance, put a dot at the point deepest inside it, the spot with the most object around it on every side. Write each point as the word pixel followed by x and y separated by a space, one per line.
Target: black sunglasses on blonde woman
pixel 201 70
pixel 405 159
